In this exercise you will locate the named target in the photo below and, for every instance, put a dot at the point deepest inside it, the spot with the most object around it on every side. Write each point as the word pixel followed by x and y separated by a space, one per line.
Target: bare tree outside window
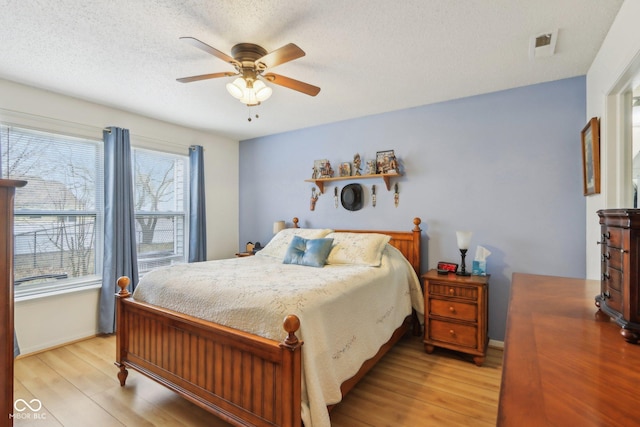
pixel 160 187
pixel 57 212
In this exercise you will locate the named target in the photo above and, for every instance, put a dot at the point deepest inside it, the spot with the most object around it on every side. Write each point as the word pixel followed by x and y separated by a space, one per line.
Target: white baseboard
pixel 496 344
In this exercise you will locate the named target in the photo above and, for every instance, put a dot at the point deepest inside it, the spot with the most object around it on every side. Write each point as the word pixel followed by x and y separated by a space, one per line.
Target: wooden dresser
pixel 7 192
pixel 564 361
pixel 456 313
pixel 620 269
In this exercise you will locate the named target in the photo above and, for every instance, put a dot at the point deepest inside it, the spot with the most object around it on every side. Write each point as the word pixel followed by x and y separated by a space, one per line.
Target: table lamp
pixel 464 238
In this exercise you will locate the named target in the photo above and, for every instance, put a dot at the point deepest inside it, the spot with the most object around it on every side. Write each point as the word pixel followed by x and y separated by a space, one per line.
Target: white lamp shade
pixel 464 238
pixel 237 87
pixel 263 92
pixel 278 226
pixel 249 94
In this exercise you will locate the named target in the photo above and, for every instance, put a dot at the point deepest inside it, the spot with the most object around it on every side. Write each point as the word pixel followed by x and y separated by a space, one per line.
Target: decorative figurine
pixel 335 196
pixel 371 167
pixel 393 164
pixel 314 198
pixel 373 195
pixel 327 171
pixel 356 164
pixel 396 195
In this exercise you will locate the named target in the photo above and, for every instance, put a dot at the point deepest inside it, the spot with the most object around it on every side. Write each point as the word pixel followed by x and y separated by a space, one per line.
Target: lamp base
pixel 463 272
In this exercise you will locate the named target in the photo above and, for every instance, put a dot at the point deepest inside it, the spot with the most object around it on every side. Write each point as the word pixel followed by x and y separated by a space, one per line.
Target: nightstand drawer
pixel 454 310
pixel 453 290
pixel 454 333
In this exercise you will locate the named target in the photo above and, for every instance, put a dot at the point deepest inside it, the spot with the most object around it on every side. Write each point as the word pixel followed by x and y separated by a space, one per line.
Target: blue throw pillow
pixel 309 252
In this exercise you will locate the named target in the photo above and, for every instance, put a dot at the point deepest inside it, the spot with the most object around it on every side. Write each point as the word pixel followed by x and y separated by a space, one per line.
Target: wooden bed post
pixel 121 336
pixel 416 244
pixel 292 368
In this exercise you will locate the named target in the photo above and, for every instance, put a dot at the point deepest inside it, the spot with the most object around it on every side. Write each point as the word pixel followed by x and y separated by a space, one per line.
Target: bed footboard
pixel 245 379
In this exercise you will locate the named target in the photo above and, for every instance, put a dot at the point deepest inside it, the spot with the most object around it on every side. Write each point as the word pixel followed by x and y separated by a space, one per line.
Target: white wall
pixel 613 73
pixel 49 321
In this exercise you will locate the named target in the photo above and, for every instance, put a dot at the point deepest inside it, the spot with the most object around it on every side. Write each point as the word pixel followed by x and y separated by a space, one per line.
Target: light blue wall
pixel 505 165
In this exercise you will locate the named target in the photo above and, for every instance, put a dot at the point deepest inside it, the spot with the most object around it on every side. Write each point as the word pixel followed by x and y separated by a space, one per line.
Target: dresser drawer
pixel 613 298
pixel 613 279
pixel 453 310
pixel 612 257
pixel 612 236
pixel 453 290
pixel 453 333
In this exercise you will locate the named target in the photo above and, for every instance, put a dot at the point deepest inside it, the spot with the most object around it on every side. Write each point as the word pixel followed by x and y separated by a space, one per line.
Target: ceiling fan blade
pixel 292 84
pixel 205 77
pixel 280 56
pixel 213 51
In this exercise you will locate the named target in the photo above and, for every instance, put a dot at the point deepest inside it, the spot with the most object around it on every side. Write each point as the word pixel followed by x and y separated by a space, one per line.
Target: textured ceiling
pixel 368 56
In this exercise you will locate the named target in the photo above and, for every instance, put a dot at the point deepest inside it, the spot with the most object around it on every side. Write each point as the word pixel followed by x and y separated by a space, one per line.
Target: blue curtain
pixel 197 213
pixel 120 256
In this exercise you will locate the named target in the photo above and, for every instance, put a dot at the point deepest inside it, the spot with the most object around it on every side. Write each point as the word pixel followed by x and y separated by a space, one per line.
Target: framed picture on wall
pixel 386 162
pixel 345 169
pixel 590 137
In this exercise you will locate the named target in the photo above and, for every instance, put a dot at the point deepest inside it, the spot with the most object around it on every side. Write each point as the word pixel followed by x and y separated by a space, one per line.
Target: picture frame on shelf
pixel 345 169
pixel 590 139
pixel 386 162
pixel 322 169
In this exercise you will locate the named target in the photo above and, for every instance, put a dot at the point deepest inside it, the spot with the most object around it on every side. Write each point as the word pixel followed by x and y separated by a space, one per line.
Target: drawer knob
pixel 452 332
pixel 452 291
pixel 451 309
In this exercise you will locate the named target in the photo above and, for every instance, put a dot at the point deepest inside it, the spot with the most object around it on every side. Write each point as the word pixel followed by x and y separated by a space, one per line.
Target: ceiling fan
pixel 251 61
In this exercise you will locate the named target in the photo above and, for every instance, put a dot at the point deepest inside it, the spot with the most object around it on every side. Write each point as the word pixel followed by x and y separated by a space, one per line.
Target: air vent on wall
pixel 543 44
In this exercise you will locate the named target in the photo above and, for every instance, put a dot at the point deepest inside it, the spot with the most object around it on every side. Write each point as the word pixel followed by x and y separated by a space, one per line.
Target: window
pixel 58 214
pixel 160 197
pixel 58 222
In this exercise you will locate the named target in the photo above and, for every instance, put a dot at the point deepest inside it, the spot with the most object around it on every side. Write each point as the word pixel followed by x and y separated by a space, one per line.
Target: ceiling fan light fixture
pixel 237 88
pixel 250 61
pixel 249 92
pixel 262 91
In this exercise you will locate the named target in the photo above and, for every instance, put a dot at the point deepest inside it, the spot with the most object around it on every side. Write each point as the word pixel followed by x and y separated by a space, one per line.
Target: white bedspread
pixel 346 312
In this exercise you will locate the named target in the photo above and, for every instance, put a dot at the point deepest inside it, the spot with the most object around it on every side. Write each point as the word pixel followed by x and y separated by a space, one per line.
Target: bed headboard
pixel 407 242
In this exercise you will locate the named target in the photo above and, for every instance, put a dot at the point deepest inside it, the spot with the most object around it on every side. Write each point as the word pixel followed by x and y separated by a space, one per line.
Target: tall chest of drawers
pixel 620 269
pixel 456 313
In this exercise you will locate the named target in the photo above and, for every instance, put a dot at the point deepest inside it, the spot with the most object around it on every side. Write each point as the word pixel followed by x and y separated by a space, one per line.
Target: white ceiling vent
pixel 542 45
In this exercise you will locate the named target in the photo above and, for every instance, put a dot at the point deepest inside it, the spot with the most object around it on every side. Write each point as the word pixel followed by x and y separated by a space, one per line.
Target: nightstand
pixel 456 313
pixel 243 254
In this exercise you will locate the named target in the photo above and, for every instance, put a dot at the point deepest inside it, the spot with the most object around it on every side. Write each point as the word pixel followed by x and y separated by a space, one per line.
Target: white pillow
pixel 357 248
pixel 278 246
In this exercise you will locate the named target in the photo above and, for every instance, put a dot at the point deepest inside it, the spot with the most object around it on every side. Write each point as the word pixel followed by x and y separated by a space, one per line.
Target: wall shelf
pixel 385 176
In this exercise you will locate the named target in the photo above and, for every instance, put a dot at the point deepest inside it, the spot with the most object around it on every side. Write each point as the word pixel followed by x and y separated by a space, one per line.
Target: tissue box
pixel 479 268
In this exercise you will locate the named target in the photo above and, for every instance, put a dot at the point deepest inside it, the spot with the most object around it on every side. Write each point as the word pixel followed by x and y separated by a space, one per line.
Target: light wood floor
pixel 77 386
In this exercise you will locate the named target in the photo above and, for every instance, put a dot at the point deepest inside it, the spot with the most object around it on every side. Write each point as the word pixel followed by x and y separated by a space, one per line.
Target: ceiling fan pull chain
pixel 257 116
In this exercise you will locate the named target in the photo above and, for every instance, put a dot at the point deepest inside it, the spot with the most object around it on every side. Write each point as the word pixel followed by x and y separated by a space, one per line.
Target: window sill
pixel 55 290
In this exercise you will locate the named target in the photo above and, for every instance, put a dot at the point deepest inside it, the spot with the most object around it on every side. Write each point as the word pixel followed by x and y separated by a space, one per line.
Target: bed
pixel 241 368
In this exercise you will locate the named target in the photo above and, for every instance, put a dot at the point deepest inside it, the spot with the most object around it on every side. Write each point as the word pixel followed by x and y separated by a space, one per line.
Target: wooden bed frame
pixel 242 378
